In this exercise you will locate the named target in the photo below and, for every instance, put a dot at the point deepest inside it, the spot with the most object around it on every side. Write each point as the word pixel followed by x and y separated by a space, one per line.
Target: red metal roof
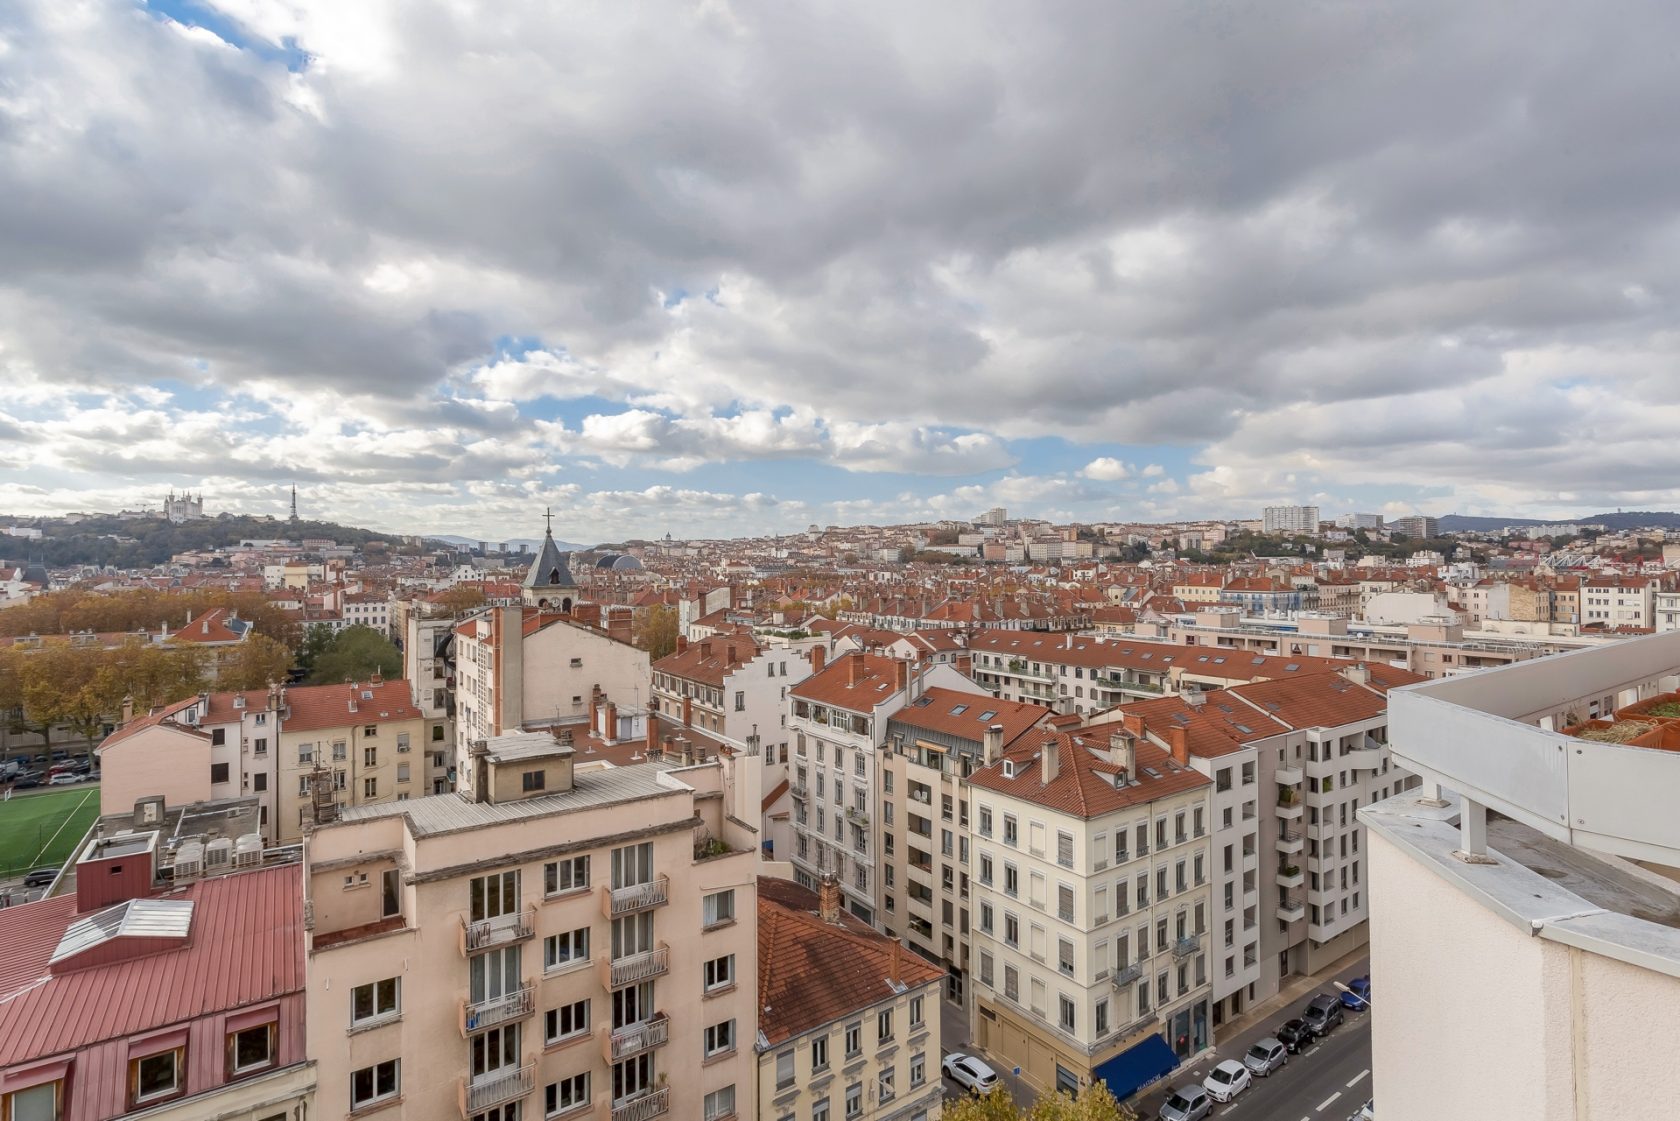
pixel 245 946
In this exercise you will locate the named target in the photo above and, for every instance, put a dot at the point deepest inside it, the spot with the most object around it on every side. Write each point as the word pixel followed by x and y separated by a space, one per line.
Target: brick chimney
pixel 901 676
pixel 688 712
pixel 1178 736
pixel 609 730
pixel 1133 723
pixel 682 644
pixel 828 899
pixel 128 708
pixel 819 657
pixel 991 745
pixel 651 743
pixel 854 668
pixel 1049 761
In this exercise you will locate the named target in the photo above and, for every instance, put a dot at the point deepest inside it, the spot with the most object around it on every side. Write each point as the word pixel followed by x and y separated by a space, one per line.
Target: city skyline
pixel 875 266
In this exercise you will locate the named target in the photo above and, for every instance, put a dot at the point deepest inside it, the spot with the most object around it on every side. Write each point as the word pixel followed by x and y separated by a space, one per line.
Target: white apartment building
pixel 576 940
pixel 1289 519
pixel 1531 961
pixel 1611 600
pixel 1091 859
pixel 838 720
pixel 428 644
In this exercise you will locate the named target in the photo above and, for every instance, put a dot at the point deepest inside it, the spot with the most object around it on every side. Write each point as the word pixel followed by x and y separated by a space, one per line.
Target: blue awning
pixel 1137 1066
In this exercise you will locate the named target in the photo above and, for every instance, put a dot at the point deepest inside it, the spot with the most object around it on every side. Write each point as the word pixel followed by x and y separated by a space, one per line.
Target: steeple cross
pixel 548 515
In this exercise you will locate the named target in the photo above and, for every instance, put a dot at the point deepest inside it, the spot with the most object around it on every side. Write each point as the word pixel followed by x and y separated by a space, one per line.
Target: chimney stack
pixel 991 745
pixel 854 668
pixel 1049 761
pixel 1359 673
pixel 819 656
pixel 688 712
pixel 828 899
pixel 901 677
pixel 1133 723
pixel 1124 748
pixel 609 730
pixel 128 708
pixel 651 743
pixel 1178 736
pixel 682 644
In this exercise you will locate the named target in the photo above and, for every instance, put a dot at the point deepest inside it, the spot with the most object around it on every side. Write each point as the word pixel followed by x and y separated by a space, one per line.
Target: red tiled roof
pixel 1082 786
pixel 211 627
pixel 245 946
pixel 811 973
pixel 834 686
pixel 935 710
pixel 314 707
pixel 150 720
pixel 708 660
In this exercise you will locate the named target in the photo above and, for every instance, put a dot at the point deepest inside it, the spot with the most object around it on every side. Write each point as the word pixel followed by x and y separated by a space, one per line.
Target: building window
pixel 918 1069
pixel 566 1095
pixel 562 876
pixel 1011 831
pixel 720 1103
pixel 1064 849
pixel 819 1054
pixel 719 1038
pixel 719 908
pixel 819 1110
pixel 154 1077
pixel 370 756
pixel 370 788
pixel 251 1049
pixel 569 948
pixel 1067 1011
pixel 915 1012
pixel 259 781
pixel 566 1022
pixel 533 780
pixel 885 1090
pixel 784 1070
pixel 260 746
pixel 494 895
pixel 854 1100
pixel 378 1000
pixel 218 772
pixel 854 1040
pixel 306 752
pixel 37 1103
pixel 884 1025
pixel 719 973
pixel 376 1083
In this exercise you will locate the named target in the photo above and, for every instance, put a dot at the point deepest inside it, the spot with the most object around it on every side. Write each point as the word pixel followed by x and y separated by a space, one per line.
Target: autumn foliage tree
pixel 1094 1103
pixel 657 632
pixel 258 661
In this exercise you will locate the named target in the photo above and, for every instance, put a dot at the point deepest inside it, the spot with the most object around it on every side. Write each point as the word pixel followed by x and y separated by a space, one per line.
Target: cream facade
pixel 580 943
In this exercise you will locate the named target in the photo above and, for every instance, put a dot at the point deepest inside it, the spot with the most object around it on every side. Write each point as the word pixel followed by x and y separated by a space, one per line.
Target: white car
pixel 1226 1080
pixel 969 1072
pixel 66 778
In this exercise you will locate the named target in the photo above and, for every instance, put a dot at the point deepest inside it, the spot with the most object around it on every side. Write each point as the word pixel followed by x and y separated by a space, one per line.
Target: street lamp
pixel 1351 993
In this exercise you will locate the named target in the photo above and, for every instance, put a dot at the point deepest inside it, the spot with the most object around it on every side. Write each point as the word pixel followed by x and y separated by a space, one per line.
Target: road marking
pixel 1329 1101
pixel 1358 1078
pixel 67 819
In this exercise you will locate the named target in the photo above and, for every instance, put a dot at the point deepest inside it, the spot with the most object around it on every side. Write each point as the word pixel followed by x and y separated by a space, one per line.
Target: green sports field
pixel 38 829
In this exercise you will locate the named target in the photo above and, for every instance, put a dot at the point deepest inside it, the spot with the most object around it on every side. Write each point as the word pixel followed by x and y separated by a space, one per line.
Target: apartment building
pixel 933 744
pixel 428 645
pixel 356 744
pixel 850 1020
pixel 1554 919
pixel 838 720
pixel 1289 519
pixel 126 998
pixel 266 744
pixel 1612 600
pixel 1069 673
pixel 1091 857
pixel 572 939
pixel 525 667
pixel 1415 525
pixel 731 686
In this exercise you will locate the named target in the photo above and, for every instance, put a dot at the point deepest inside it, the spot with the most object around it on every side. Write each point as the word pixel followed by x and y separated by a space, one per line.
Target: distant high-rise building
pixel 1360 521
pixel 997 515
pixel 1416 526
pixel 1290 519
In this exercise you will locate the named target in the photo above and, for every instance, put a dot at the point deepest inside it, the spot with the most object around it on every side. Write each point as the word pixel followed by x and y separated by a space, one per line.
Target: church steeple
pixel 549 582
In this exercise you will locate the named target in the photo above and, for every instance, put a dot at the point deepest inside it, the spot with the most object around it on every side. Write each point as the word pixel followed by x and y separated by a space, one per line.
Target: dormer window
pixel 1009 768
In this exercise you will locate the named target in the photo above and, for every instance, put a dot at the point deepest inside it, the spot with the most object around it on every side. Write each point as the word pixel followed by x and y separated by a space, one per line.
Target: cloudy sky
pixel 724 267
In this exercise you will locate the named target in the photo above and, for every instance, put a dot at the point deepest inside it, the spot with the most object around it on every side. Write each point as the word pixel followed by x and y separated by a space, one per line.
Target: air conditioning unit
pixel 248 850
pixel 218 855
pixel 189 861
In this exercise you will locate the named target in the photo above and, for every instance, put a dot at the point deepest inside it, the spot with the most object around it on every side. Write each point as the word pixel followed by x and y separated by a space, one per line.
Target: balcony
pixel 480 1094
pixel 655 1103
pixel 619 972
pixel 618 1044
pixel 1187 945
pixel 1289 908
pixel 1289 776
pixel 800 790
pixel 634 897
pixel 515 1005
pixel 1289 805
pixel 1291 841
pixel 1290 876
pixel 498 931
pixel 1129 974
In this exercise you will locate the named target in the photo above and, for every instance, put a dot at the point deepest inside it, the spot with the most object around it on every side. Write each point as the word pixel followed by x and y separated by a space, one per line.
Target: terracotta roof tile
pixel 310 708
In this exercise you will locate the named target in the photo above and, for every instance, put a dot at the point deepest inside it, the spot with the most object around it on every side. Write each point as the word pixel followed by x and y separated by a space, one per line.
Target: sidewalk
pixel 1294 992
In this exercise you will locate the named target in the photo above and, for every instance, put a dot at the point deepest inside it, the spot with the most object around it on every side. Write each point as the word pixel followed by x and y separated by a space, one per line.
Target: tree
pixel 461 599
pixel 1094 1104
pixel 148 674
pixel 315 643
pixel 257 661
pixel 657 632
pixel 62 684
pixel 356 654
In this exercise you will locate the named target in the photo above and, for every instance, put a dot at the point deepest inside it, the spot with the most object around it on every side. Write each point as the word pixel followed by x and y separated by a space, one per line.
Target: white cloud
pixel 1106 469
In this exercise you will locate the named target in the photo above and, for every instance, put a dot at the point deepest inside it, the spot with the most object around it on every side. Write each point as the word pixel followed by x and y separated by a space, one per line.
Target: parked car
pixel 1294 1035
pixel 1366 1112
pixel 1226 1080
pixel 1187 1103
pixel 66 778
pixel 1322 1013
pixel 1357 995
pixel 969 1072
pixel 1265 1056
pixel 29 780
pixel 40 877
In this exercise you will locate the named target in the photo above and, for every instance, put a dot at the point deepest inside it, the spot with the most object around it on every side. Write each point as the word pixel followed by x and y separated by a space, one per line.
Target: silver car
pixel 1187 1103
pixel 1265 1056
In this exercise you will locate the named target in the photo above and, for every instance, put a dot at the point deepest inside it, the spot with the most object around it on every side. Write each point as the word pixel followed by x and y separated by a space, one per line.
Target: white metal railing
pixel 498 1009
pixel 502 928
pixel 636 968
pixel 636 897
pixel 483 1093
pixel 652 1104
pixel 633 1039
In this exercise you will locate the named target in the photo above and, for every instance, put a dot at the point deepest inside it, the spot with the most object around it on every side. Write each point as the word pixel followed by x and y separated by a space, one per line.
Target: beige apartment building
pixel 572 940
pixel 850 1022
pixel 933 744
pixel 357 744
pixel 1091 857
